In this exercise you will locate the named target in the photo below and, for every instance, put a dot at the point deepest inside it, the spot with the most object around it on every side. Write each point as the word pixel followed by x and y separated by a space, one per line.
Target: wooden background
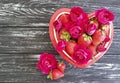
pixel 24 35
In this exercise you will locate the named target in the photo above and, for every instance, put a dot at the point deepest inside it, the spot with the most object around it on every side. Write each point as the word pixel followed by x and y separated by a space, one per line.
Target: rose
pixel 81 54
pixel 90 29
pixel 46 63
pixel 79 16
pixel 57 25
pixel 101 48
pixel 61 45
pixel 76 31
pixel 75 13
pixel 83 19
pixel 104 16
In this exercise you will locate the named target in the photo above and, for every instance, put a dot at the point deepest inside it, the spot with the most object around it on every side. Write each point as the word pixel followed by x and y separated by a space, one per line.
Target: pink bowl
pixel 54 38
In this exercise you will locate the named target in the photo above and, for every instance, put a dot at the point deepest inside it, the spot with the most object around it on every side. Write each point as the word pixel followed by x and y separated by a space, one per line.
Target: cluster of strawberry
pixel 81 36
pixel 48 64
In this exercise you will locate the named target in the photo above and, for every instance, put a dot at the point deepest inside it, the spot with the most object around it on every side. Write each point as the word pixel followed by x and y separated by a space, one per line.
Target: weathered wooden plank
pixel 38 13
pixel 24 35
pixel 21 68
pixel 36 40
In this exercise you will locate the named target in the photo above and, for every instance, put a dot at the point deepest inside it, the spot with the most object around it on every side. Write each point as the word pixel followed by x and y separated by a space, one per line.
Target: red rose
pixel 46 63
pixel 76 31
pixel 57 25
pixel 76 13
pixel 81 54
pixel 61 45
pixel 101 48
pixel 104 16
pixel 79 16
pixel 83 19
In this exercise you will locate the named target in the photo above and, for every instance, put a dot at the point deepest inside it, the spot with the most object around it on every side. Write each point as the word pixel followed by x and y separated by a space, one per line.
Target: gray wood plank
pixel 38 12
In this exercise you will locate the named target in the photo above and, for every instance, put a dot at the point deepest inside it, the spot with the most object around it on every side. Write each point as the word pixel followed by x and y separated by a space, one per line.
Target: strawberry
pixel 98 37
pixel 64 18
pixel 93 49
pixel 55 74
pixel 61 66
pixel 70 47
pixel 85 40
pixel 63 34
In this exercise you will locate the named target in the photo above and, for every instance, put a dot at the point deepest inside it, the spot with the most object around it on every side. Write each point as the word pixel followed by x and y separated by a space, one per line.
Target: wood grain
pixel 24 35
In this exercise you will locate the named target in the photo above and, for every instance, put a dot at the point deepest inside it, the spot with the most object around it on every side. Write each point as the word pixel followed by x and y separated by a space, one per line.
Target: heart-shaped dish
pixel 54 36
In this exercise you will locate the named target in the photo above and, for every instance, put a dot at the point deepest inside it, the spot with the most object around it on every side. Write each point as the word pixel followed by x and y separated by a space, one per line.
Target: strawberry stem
pixel 50 75
pixel 60 62
pixel 65 35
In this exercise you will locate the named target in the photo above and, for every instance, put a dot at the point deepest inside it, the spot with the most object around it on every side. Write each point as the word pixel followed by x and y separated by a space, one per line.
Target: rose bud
pixel 90 30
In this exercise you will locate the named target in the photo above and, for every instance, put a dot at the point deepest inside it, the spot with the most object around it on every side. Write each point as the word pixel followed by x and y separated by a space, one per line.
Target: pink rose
pixel 75 13
pixel 104 16
pixel 57 25
pixel 107 39
pixel 81 54
pixel 101 48
pixel 61 45
pixel 76 31
pixel 46 63
pixel 83 19
pixel 79 16
pixel 90 29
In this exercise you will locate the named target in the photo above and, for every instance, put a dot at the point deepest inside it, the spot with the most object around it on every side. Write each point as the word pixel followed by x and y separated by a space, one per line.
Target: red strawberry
pixel 55 74
pixel 93 49
pixel 70 47
pixel 61 66
pixel 98 37
pixel 64 18
pixel 85 40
